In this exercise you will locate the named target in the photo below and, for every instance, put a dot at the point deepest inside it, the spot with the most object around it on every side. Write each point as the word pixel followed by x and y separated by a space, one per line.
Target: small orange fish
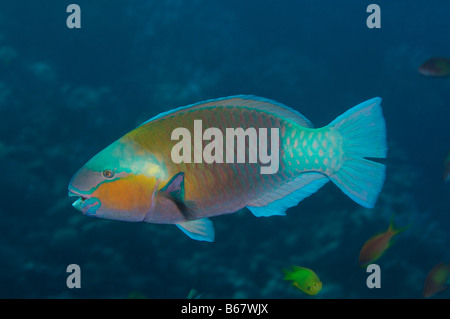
pixel 447 167
pixel 436 280
pixel 435 67
pixel 375 247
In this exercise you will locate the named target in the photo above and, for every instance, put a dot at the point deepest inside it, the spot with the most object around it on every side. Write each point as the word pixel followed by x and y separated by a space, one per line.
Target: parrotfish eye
pixel 107 173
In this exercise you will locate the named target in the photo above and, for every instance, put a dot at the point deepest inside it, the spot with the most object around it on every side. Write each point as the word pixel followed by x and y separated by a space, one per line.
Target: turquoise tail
pixel 363 131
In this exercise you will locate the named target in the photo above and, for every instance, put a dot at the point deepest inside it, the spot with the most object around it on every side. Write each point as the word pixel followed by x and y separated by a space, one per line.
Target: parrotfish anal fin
pixel 198 229
pixel 174 190
pixel 288 195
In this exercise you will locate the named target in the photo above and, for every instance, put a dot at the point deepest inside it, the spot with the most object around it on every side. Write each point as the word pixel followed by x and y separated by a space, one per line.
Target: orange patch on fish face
pixel 130 193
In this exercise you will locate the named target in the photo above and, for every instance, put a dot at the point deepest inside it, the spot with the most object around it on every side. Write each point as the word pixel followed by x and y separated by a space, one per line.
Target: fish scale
pixel 243 178
pixel 295 160
pixel 245 187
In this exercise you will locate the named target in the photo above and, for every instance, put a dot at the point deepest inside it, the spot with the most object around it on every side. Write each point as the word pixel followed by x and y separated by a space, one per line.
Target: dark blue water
pixel 65 94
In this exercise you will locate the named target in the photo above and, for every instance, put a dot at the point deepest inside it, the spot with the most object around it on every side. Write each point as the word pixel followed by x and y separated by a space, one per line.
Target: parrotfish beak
pixel 86 204
pixel 79 201
pixel 75 192
pixel 80 186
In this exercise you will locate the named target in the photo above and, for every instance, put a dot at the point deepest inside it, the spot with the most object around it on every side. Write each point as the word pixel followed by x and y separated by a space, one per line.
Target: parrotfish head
pixel 118 183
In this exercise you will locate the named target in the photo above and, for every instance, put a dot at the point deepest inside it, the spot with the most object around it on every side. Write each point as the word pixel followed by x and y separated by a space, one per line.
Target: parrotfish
pixel 436 67
pixel 376 246
pixel 436 280
pixel 304 279
pixel 149 175
pixel 447 167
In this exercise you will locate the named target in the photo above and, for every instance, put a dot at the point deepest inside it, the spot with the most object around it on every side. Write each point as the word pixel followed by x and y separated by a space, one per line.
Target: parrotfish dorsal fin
pixel 247 101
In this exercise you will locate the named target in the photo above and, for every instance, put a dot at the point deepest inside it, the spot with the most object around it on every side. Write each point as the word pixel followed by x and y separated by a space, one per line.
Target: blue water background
pixel 65 94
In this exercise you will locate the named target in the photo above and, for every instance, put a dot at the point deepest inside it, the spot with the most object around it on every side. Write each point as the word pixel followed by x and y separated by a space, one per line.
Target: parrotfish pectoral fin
pixel 175 186
pixel 185 210
pixel 174 190
pixel 363 131
pixel 293 192
pixel 198 229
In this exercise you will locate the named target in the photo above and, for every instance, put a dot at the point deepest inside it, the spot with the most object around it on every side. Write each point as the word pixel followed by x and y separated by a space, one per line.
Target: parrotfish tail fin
pixel 363 132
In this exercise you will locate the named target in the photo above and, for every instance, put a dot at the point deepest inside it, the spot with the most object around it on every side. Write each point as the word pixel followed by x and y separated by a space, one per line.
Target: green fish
pixel 304 279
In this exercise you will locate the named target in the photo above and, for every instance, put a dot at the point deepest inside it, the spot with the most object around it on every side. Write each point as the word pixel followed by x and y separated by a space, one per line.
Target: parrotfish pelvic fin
pixel 198 229
pixel 174 190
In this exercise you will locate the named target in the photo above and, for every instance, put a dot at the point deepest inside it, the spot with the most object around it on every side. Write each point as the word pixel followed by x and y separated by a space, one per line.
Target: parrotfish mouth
pixel 79 201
